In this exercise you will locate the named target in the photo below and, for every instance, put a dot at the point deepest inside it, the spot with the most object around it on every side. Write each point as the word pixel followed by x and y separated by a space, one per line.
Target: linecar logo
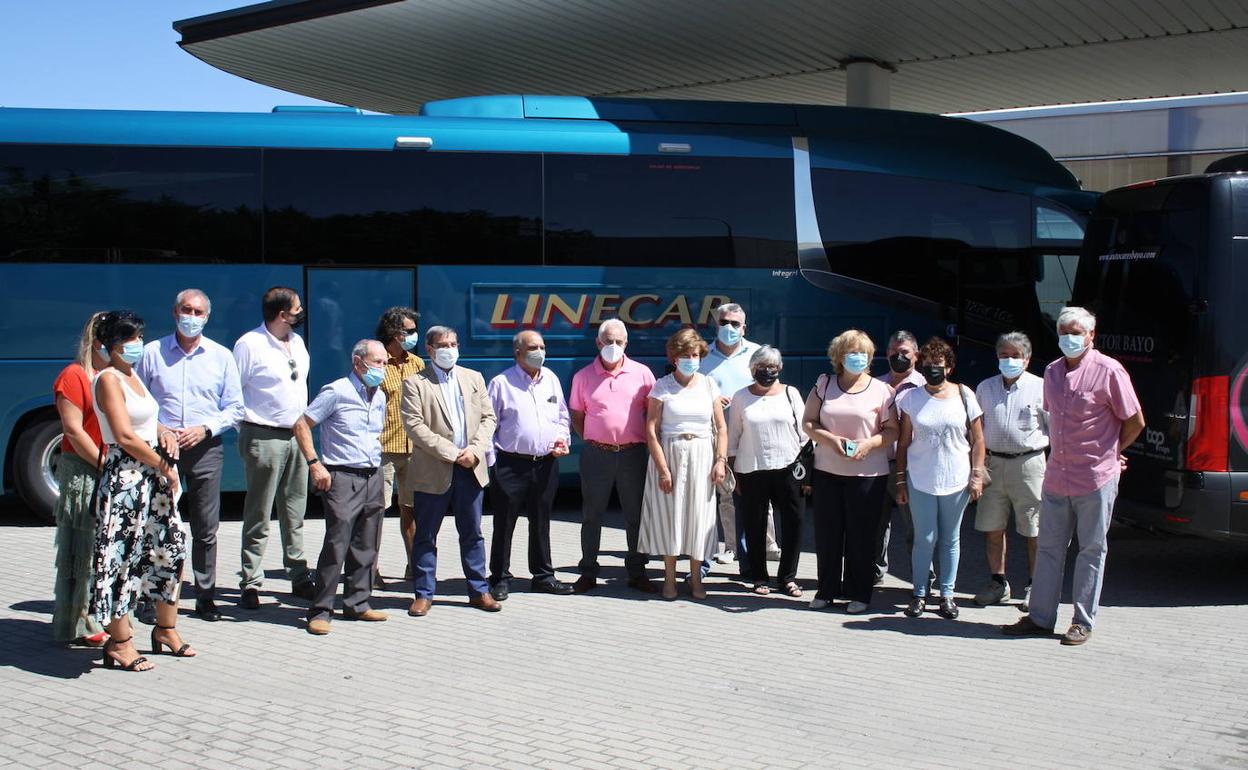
pixel 642 310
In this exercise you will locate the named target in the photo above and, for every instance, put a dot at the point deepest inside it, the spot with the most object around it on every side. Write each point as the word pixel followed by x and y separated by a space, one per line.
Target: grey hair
pixel 612 323
pixel 515 340
pixel 900 336
pixel 729 307
pixel 1018 340
pixel 1076 315
pixel 177 301
pixel 360 349
pixel 434 333
pixel 766 355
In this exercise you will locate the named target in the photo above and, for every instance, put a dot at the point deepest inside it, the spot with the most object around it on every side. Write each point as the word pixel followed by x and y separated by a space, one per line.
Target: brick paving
pixel 611 680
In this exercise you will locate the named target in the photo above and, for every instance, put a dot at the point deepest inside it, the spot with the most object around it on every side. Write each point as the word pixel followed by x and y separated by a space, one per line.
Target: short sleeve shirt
pixel 350 422
pixel 686 409
pixel 614 403
pixel 393 436
pixel 72 383
pixel 938 461
pixel 855 416
pixel 1014 417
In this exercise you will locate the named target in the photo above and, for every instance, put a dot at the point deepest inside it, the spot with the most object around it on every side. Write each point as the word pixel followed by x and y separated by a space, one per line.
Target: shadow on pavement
pixel 928 626
pixel 29 647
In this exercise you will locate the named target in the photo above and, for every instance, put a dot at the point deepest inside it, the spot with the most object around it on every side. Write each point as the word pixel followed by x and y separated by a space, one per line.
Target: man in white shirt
pixel 273 367
pixel 1016 433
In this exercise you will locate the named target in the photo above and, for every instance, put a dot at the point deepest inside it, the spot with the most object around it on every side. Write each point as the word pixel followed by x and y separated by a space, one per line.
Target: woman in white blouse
pixel 764 440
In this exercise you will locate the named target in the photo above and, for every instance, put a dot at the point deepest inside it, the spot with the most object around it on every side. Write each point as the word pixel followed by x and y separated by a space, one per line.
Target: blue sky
pixel 117 55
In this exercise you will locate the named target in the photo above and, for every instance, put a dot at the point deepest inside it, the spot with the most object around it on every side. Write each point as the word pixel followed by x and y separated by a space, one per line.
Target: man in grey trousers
pixel 351 412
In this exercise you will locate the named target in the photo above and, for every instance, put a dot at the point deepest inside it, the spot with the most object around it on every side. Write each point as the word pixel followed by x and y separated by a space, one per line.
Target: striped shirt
pixel 1014 419
pixel 393 437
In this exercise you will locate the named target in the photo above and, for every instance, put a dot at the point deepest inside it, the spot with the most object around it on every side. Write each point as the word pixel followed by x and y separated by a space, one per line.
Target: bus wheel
pixel 34 466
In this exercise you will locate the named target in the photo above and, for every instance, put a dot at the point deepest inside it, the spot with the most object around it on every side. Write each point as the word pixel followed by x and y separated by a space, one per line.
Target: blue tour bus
pixel 495 214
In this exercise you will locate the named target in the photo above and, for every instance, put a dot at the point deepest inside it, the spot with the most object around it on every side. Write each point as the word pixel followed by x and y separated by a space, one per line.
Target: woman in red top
pixel 76 473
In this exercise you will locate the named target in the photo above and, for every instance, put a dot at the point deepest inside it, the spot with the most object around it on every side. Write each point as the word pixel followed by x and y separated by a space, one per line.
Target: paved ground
pixel 612 681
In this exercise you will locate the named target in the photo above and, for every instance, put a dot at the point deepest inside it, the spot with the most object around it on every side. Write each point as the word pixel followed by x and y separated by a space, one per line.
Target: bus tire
pixel 34 466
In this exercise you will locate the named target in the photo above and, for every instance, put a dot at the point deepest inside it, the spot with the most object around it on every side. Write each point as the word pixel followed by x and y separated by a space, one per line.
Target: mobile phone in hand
pixel 850 446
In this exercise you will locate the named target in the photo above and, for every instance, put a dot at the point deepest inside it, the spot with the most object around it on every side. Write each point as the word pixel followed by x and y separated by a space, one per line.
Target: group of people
pixel 718 441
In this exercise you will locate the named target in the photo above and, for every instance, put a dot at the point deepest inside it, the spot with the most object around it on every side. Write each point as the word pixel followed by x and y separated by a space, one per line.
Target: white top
pixel 686 409
pixel 938 461
pixel 1014 419
pixel 270 396
pixel 762 430
pixel 141 407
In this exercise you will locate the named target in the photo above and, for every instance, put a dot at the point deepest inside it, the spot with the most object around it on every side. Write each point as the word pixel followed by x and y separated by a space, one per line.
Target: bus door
pixel 1142 274
pixel 344 305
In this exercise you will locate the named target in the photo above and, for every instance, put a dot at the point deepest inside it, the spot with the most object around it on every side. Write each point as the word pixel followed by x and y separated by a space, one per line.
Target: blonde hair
pixel 86 343
pixel 686 342
pixel 846 342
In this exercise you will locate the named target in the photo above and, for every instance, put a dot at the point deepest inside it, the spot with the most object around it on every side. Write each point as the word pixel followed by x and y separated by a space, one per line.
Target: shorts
pixel 393 474
pixel 1016 485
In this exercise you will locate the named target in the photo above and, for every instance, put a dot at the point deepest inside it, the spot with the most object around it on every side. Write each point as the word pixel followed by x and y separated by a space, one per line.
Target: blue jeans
pixel 463 498
pixel 937 529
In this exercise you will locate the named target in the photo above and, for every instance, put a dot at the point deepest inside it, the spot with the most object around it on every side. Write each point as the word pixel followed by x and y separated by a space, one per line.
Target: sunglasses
pixel 733 324
pixel 294 372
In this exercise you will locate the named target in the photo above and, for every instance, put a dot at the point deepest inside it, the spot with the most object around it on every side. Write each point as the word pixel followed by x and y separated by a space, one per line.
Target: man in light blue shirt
pixel 195 382
pixel 351 412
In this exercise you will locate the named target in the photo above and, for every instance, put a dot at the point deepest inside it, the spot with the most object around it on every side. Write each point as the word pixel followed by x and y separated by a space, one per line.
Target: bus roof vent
pixel 332 109
pixel 1229 164
pixel 593 108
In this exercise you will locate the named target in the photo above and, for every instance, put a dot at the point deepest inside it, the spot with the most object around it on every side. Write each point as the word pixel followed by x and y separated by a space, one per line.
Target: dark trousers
pixel 199 470
pixel 847 511
pixel 601 471
pixel 353 511
pixel 463 499
pixel 784 494
pixel 522 485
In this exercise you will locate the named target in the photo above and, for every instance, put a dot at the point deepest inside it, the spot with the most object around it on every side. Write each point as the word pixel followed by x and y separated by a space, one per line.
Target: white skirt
pixel 681 523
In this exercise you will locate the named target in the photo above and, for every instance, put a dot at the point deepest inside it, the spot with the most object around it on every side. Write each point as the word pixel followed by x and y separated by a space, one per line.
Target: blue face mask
pixel 373 377
pixel 1072 345
pixel 729 335
pixel 410 341
pixel 1010 367
pixel 688 366
pixel 192 325
pixel 856 363
pixel 131 352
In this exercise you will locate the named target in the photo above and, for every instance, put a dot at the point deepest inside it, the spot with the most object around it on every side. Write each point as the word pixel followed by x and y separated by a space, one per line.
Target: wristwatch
pixel 313 461
pixel 207 432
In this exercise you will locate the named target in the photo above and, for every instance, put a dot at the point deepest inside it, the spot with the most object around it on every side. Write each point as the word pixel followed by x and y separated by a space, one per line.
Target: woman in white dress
pixel 688 442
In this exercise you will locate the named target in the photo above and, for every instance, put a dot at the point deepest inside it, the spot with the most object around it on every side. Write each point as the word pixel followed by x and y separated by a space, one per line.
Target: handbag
pixel 803 467
pixel 729 484
pixel 986 477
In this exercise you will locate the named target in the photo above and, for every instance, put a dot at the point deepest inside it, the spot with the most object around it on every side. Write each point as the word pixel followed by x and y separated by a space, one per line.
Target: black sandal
pixel 111 662
pixel 158 646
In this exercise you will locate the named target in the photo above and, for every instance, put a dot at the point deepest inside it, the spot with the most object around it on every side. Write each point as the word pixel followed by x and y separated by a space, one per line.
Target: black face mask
pixel 766 377
pixel 299 318
pixel 899 362
pixel 935 375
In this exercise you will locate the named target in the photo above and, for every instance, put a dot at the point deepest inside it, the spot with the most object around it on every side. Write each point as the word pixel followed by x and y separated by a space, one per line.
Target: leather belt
pixel 517 456
pixel 289 431
pixel 685 436
pixel 1013 455
pixel 613 447
pixel 362 472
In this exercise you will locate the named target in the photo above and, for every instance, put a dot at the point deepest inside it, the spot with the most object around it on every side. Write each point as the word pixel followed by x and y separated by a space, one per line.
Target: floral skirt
pixel 140 541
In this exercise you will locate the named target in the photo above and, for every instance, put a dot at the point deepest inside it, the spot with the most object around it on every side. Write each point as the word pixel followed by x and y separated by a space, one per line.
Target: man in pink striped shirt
pixel 1093 415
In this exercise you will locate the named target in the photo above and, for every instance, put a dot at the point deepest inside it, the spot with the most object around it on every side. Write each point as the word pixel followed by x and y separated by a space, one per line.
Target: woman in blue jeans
pixel 940 468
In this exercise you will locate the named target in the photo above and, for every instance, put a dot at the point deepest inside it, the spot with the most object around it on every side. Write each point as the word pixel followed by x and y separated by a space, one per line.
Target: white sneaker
pixel 820 604
pixel 856 608
pixel 724 557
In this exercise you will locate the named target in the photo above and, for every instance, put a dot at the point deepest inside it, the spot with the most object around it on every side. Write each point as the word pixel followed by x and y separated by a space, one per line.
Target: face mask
pixel 131 352
pixel 729 335
pixel 766 377
pixel 688 366
pixel 899 363
pixel 1010 367
pixel 191 325
pixel 856 363
pixel 446 357
pixel 935 375
pixel 535 358
pixel 612 353
pixel 373 377
pixel 1072 344
pixel 410 341
pixel 298 318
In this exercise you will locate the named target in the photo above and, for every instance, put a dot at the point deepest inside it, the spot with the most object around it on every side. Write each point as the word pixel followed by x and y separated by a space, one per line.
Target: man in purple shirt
pixel 903 354
pixel 533 433
pixel 1093 415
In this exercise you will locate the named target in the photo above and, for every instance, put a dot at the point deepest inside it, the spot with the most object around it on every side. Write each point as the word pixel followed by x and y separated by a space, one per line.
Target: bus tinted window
pixel 402 207
pixel 730 212
pixel 1239 202
pixel 128 204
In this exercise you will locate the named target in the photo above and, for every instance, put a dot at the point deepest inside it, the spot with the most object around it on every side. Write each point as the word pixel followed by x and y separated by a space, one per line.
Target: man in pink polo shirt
pixel 1093 415
pixel 608 408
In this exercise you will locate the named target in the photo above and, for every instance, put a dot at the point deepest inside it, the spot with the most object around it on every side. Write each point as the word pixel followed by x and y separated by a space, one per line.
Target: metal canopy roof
pixel 955 55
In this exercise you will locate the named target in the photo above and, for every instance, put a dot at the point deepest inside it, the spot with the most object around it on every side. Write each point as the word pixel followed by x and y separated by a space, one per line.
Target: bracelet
pixel 166 433
pixel 721 459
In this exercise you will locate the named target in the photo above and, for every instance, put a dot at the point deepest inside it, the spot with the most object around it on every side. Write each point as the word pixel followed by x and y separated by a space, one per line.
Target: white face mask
pixel 446 357
pixel 612 353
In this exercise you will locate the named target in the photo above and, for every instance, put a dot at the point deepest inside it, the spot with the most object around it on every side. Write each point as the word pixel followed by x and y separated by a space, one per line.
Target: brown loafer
pixel 485 602
pixel 368 616
pixel 318 627
pixel 1026 627
pixel 1076 635
pixel 419 608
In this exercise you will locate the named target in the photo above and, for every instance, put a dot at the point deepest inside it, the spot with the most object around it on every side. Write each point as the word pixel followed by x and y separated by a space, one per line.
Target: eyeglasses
pixel 733 324
pixel 294 372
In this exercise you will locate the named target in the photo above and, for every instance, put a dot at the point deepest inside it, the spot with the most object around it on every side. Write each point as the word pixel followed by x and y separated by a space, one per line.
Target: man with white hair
pixel 195 382
pixel 351 412
pixel 1093 415
pixel 608 408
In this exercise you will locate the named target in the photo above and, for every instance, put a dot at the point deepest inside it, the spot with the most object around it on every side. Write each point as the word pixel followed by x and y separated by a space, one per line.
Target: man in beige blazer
pixel 450 421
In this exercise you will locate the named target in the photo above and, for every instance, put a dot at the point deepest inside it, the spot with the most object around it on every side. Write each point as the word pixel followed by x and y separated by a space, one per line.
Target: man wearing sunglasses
pixel 273 367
